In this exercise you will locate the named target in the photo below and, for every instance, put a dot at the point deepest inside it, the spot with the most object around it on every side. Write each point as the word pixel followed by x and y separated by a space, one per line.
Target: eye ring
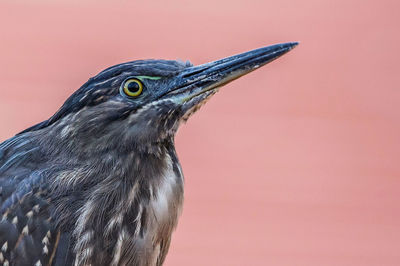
pixel 132 87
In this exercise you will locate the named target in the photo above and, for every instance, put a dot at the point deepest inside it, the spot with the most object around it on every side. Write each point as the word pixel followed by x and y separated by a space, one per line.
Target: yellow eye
pixel 133 87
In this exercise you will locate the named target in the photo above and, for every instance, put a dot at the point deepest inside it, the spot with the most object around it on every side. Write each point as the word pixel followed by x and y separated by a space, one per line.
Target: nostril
pixel 195 70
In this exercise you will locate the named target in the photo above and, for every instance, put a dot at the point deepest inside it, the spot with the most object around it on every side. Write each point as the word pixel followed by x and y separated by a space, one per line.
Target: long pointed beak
pixel 205 79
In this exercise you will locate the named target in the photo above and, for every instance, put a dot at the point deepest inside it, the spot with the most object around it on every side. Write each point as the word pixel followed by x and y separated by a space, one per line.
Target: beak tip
pixel 291 45
pixel 277 50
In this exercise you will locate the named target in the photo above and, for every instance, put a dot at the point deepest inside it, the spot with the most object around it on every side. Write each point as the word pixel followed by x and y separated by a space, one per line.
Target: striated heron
pixel 99 183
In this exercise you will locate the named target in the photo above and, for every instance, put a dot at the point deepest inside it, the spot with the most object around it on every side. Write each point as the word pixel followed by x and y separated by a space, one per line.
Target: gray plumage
pixel 99 183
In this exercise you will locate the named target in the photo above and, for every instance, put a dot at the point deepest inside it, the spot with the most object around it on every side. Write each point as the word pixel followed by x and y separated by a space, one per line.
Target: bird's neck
pixel 135 194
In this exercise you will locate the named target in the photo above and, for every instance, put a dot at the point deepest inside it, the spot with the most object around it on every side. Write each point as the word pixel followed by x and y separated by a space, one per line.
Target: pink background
pixel 294 164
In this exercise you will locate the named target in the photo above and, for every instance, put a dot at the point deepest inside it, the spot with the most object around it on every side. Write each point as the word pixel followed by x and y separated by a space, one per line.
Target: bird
pixel 99 182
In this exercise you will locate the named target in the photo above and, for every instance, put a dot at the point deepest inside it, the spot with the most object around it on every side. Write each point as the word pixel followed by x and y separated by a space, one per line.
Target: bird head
pixel 143 102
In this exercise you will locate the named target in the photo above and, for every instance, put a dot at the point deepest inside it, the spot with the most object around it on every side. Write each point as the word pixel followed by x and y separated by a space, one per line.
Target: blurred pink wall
pixel 295 164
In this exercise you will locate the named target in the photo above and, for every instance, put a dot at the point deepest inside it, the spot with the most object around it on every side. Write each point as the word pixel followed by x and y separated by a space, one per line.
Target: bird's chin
pixel 194 102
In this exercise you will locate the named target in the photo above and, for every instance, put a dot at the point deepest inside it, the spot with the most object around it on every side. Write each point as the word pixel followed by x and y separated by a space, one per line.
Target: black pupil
pixel 133 87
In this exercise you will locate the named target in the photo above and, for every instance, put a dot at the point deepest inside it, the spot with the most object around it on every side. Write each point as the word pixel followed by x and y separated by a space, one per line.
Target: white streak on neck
pixel 164 192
